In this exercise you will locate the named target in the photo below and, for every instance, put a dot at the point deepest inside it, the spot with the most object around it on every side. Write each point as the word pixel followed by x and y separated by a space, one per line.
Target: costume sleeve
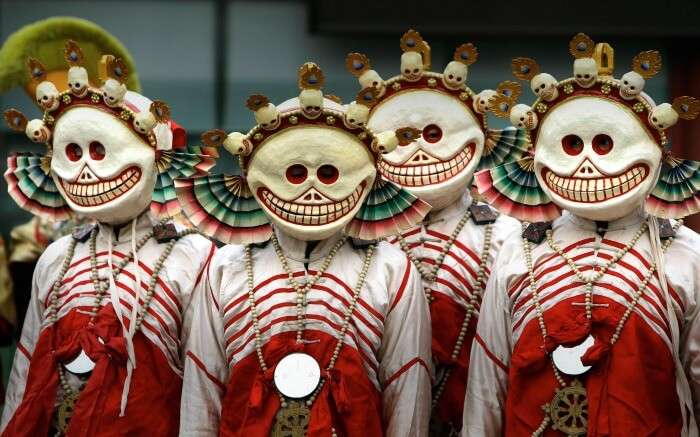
pixel 405 361
pixel 25 346
pixel 205 372
pixel 488 372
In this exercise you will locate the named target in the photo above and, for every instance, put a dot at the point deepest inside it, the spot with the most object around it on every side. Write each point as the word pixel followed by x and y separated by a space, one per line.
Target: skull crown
pixel 110 96
pixel 314 108
pixel 593 75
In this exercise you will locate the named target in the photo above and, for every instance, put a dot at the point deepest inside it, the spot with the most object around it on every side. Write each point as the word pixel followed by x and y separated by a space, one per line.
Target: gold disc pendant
pixel 568 410
pixel 65 412
pixel 292 420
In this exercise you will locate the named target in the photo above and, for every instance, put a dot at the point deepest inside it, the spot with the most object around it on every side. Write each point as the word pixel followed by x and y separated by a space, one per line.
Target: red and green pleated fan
pixel 677 192
pixel 387 210
pixel 503 145
pixel 174 165
pixel 223 208
pixel 30 184
pixel 512 188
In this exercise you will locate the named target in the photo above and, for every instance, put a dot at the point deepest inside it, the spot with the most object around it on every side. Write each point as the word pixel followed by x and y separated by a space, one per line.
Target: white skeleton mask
pixel 595 158
pixel 631 85
pixel 438 166
pixel 78 80
pixel 523 116
pixel 101 167
pixel 47 96
pixel 113 92
pixel 544 85
pixel 585 72
pixel 311 180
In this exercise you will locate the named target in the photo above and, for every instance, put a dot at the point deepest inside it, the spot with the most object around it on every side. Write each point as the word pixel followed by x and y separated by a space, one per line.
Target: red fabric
pixel 179 135
pixel 447 317
pixel 348 402
pixel 154 387
pixel 631 388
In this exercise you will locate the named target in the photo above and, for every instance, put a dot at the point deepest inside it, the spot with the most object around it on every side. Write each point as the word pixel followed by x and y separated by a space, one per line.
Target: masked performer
pixel 312 327
pixel 590 321
pixel 100 347
pixel 456 245
pixel 44 40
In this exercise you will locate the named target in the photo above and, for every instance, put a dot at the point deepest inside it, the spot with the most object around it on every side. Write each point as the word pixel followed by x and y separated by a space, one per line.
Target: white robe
pixel 165 326
pixel 389 334
pixel 647 377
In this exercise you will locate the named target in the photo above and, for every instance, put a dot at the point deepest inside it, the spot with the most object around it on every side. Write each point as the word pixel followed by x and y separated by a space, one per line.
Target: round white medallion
pixel 297 375
pixel 80 365
pixel 568 359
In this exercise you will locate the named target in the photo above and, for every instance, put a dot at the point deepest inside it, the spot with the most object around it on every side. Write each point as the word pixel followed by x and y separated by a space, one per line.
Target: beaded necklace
pixel 70 396
pixel 476 294
pixel 568 410
pixel 293 412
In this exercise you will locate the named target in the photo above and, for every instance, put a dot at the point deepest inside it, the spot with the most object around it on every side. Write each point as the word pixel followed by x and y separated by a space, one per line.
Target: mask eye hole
pixel 572 144
pixel 97 151
pixel 297 173
pixel 327 174
pixel 602 144
pixel 74 152
pixel 432 133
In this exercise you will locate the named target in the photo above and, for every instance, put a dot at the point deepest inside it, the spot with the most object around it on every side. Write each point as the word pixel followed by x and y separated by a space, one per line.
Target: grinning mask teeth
pixel 311 180
pixel 595 158
pixel 438 166
pixel 101 167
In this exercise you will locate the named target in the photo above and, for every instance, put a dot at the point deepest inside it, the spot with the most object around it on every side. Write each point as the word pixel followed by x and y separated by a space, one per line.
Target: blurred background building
pixel 205 57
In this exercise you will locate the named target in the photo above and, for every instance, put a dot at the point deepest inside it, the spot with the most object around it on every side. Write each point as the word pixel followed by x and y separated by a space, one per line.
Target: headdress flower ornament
pixel 513 187
pixel 454 139
pixel 226 208
pixel 29 175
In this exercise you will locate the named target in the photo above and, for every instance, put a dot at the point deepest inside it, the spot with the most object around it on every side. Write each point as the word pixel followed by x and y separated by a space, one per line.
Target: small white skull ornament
pixel 544 85
pixel 267 117
pixel 311 101
pixel 47 96
pixel 585 72
pixel 522 116
pixel 144 122
pixel 371 79
pixel 311 180
pixel 113 92
pixel 631 85
pixel 663 116
pixel 481 101
pixel 412 66
pixel 455 75
pixel 78 81
pixel 356 115
pixel 37 131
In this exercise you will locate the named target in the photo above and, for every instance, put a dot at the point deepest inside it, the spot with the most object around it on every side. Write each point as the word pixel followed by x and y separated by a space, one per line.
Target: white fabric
pixel 454 279
pixel 172 306
pixel 502 322
pixel 402 336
